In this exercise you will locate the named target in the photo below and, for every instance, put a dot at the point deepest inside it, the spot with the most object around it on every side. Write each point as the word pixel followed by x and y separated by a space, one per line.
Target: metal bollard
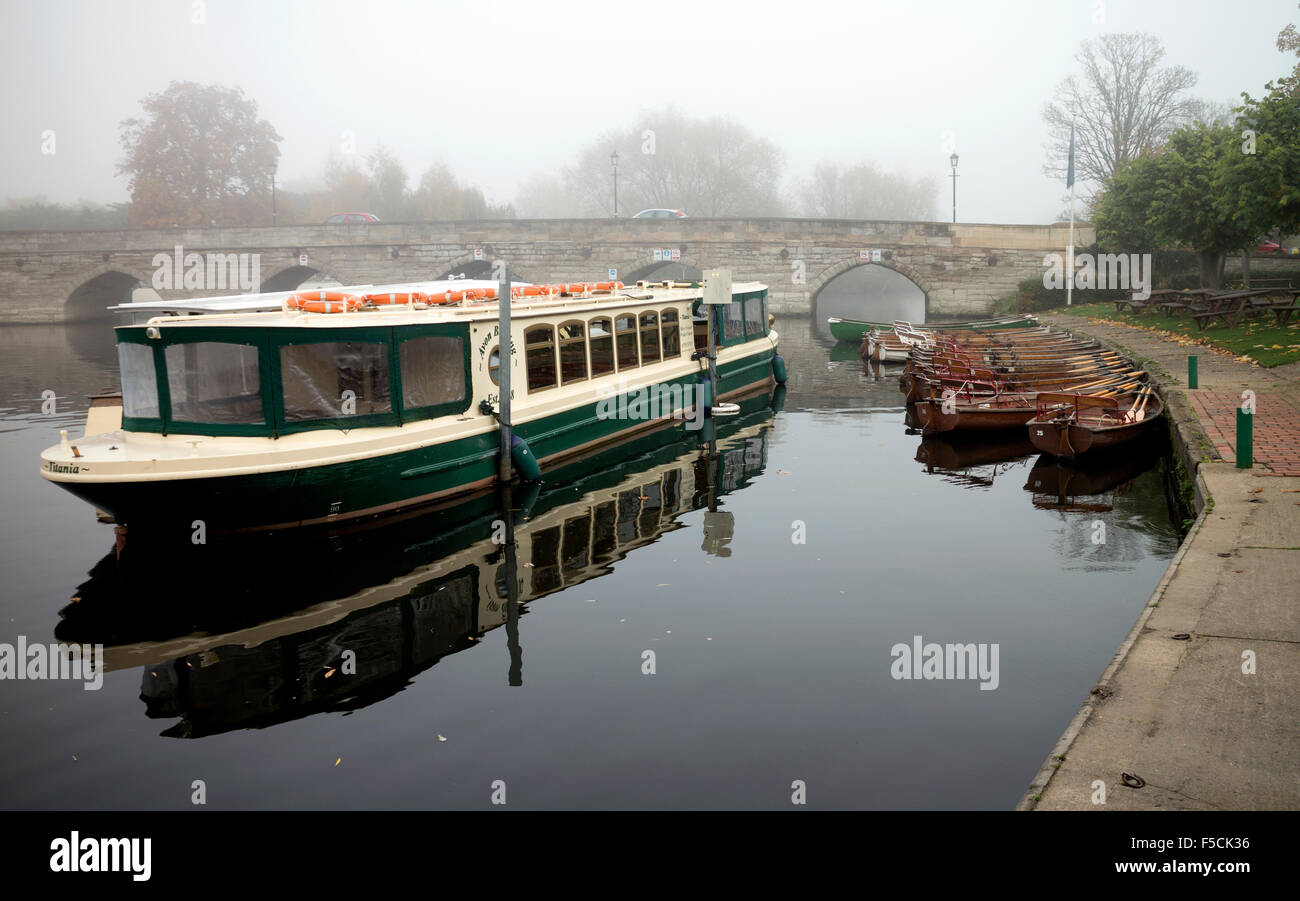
pixel 1245 438
pixel 1192 363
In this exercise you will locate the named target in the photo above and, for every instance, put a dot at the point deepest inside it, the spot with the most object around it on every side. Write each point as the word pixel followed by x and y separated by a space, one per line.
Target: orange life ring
pixel 609 286
pixel 528 291
pixel 447 297
pixel 396 298
pixel 323 302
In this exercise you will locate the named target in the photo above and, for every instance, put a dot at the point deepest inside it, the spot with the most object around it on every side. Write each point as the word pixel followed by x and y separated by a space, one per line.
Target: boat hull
pixel 379 485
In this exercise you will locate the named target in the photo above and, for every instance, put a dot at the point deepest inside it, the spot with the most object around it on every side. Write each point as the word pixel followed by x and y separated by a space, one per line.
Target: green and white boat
pixel 856 330
pixel 247 413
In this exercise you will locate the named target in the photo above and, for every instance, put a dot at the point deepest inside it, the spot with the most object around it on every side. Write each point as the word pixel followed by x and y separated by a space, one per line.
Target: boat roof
pixel 269 310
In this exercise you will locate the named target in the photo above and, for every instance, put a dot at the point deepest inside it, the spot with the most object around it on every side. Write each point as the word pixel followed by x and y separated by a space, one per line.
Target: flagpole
pixel 1069 254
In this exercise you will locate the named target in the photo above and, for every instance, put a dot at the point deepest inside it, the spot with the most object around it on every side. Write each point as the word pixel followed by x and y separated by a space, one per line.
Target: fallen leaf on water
pixel 442 737
pixel 662 585
pixel 337 762
pixel 329 672
pixel 591 600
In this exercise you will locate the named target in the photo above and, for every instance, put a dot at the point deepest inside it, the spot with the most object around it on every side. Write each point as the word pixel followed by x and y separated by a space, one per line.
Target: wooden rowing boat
pixel 1067 425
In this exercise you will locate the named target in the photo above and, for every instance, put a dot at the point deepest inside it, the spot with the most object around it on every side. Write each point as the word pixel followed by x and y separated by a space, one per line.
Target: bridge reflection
pixel 255 632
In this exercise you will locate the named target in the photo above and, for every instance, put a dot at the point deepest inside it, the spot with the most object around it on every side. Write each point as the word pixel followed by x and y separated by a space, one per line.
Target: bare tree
pixel 707 167
pixel 545 196
pixel 865 192
pixel 1124 104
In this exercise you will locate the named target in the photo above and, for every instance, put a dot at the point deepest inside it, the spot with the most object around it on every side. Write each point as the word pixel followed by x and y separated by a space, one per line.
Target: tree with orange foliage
pixel 200 156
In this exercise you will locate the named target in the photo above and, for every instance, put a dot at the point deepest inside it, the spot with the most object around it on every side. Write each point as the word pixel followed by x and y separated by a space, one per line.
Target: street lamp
pixel 274 217
pixel 613 162
pixel 953 159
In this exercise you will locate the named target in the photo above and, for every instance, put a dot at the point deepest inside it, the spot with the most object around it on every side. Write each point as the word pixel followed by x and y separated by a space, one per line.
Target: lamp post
pixel 274 217
pixel 953 159
pixel 613 162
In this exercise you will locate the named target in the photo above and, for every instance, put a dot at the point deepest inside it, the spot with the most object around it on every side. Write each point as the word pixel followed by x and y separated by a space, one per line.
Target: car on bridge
pixel 660 214
pixel 351 218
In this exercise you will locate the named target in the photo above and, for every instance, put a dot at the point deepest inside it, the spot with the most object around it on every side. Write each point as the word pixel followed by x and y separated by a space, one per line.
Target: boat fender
pixel 524 499
pixel 525 463
pixel 705 391
pixel 778 398
pixel 724 410
pixel 778 369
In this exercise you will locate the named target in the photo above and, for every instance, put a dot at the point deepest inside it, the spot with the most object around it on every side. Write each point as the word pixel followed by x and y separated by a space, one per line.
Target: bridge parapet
pixel 962 268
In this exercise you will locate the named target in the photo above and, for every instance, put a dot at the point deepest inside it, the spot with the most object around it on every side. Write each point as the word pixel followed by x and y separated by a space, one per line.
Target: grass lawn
pixel 1256 339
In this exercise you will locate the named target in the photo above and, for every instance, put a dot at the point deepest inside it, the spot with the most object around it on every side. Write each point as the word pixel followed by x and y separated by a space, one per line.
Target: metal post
pixel 713 356
pixel 1192 374
pixel 506 358
pixel 1245 439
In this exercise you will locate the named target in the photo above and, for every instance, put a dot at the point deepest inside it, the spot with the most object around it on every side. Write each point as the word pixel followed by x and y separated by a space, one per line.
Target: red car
pixel 1268 247
pixel 351 217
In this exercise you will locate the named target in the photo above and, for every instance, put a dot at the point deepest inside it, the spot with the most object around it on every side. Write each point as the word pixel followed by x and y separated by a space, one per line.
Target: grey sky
pixel 500 90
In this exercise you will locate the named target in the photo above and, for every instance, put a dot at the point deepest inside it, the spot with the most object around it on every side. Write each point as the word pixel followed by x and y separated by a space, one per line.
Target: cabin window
pixel 494 366
pixel 573 352
pixel 334 379
pixel 650 337
pixel 139 381
pixel 433 371
pixel 672 337
pixel 625 339
pixel 755 321
pixel 539 344
pixel 214 382
pixel 602 348
pixel 733 324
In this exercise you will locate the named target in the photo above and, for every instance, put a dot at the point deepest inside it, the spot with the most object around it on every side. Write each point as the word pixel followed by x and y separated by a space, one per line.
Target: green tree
pixel 200 155
pixel 1175 198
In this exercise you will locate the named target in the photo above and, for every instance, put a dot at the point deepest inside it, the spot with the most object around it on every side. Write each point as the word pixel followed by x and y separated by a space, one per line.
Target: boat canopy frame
pixel 269 342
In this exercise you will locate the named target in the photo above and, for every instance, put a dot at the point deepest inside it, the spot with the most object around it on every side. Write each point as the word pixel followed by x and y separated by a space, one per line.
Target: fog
pixel 501 91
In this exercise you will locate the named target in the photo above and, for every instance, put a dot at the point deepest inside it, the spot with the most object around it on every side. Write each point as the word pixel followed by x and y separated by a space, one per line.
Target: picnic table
pixel 1167 300
pixel 1229 307
pixel 1283 310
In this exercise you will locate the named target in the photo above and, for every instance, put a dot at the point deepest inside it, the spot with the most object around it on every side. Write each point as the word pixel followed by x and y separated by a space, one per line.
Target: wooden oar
pixel 1142 411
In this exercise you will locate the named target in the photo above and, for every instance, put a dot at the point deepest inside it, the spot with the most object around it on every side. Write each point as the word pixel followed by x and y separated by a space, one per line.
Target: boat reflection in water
pixel 974 461
pixel 251 632
pixel 1090 484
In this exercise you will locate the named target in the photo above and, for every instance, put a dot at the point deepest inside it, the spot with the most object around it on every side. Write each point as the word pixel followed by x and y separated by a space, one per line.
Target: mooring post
pixel 1245 437
pixel 1191 371
pixel 504 358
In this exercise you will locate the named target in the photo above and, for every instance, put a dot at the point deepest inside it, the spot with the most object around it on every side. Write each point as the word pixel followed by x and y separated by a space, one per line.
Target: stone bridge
pixel 961 268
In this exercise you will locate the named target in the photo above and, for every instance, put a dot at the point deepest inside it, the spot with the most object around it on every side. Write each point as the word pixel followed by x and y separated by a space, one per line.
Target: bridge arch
pixel 900 276
pixel 679 271
pixel 99 288
pixel 465 266
pixel 291 277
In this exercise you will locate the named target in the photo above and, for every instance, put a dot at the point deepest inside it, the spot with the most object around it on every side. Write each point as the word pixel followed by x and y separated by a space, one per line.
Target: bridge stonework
pixel 961 268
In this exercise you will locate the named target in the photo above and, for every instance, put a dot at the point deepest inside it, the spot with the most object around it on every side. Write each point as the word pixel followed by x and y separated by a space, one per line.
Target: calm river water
pixel 771 577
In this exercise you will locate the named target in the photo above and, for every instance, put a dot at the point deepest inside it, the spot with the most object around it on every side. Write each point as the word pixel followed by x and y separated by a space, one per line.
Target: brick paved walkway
pixel 1276 428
